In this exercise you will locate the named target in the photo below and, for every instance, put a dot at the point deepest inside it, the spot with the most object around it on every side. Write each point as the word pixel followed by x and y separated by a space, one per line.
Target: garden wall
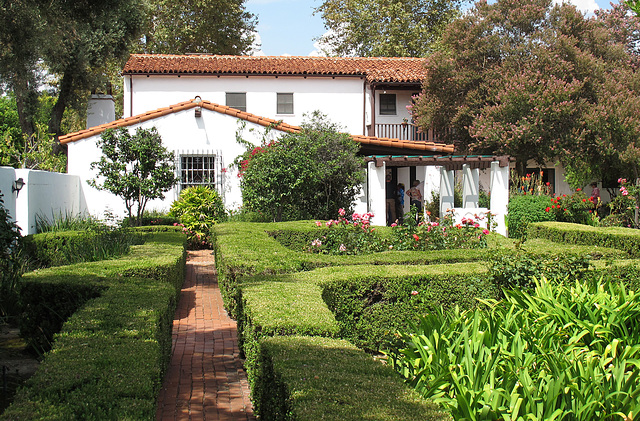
pixel 46 194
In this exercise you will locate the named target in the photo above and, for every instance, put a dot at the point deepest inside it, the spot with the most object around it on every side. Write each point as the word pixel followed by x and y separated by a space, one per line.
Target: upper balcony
pixel 402 131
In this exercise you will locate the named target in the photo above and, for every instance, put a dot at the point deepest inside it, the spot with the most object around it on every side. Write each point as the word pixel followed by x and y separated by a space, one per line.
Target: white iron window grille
pixel 197 170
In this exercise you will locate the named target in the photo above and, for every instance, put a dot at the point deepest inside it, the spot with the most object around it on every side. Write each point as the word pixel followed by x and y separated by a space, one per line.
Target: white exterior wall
pixel 213 133
pixel 48 195
pixel 340 98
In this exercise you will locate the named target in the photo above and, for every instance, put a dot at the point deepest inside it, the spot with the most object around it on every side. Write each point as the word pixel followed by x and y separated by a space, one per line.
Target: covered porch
pixel 437 174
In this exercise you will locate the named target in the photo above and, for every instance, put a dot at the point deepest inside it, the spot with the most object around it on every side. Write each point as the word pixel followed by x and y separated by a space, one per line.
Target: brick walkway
pixel 205 380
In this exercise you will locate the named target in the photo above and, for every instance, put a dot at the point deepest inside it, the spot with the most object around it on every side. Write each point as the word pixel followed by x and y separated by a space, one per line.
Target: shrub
pixel 624 207
pixel 525 209
pixel 575 208
pixel 562 352
pixel 520 269
pixel 199 208
pixel 10 262
pixel 347 236
pixel 305 175
pixel 440 234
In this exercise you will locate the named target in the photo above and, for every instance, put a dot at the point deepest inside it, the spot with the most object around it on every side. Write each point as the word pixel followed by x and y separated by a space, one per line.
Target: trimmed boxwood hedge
pixel 291 306
pixel 625 239
pixel 314 378
pixel 108 360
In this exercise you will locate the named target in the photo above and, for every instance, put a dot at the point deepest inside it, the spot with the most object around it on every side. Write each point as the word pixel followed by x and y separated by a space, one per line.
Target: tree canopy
pixel 306 175
pixel 136 167
pixel 385 28
pixel 536 81
pixel 198 26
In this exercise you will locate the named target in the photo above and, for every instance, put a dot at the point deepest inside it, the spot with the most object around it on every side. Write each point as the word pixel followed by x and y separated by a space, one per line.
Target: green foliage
pixel 306 175
pixel 312 378
pixel 634 5
pixel 67 222
pixel 564 351
pixel 36 151
pixel 371 309
pixel 520 270
pixel 96 242
pixel 10 261
pixel 624 206
pixel 575 208
pixel 135 167
pixel 385 28
pixel 221 27
pixel 625 239
pixel 73 41
pixel 198 209
pixel 108 360
pixel 537 81
pixel 525 209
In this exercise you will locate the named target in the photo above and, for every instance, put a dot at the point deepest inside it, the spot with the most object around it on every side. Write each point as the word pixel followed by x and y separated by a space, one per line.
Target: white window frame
pixel 285 103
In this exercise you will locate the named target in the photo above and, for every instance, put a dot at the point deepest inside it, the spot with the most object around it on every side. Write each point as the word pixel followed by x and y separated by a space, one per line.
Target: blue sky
pixel 289 26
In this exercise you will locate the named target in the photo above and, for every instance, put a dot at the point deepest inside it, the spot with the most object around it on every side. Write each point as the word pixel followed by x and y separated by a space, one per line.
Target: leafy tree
pixel 135 167
pixel 534 81
pixel 20 151
pixel 306 175
pixel 198 26
pixel 74 41
pixel 10 262
pixel 385 28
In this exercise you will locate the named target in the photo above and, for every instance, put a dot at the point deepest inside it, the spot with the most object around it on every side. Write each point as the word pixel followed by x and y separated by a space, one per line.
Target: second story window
pixel 387 104
pixel 285 103
pixel 237 100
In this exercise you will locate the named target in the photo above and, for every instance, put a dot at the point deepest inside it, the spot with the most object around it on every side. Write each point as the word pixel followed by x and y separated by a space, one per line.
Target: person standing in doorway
pixel 415 195
pixel 400 202
pixel 391 200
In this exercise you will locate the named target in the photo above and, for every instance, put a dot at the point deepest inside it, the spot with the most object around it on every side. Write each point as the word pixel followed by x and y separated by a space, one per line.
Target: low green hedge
pixel 67 247
pixel 313 378
pixel 371 305
pixel 108 360
pixel 625 239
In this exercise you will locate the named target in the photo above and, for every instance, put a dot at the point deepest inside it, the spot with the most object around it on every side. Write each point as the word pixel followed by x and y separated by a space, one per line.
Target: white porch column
pixel 499 195
pixel 431 182
pixel 377 198
pixel 470 187
pixel 404 175
pixel 447 183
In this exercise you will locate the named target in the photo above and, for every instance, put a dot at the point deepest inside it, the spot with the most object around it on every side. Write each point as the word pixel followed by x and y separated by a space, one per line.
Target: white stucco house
pixel 198 102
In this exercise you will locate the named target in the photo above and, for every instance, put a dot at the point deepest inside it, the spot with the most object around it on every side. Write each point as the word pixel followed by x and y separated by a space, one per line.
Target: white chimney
pixel 101 109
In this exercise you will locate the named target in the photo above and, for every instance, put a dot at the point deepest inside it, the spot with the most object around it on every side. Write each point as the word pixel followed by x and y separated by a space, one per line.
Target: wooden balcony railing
pixel 403 131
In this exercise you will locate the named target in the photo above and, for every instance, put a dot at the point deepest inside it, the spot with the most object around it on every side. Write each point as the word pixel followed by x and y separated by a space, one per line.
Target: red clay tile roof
pixel 385 143
pixel 374 69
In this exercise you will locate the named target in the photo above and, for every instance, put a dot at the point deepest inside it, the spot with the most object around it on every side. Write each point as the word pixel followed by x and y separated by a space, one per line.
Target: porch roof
pixel 450 162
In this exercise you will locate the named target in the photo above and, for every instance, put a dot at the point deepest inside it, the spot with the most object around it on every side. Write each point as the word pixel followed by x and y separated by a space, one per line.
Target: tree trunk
pixel 55 120
pixel 26 103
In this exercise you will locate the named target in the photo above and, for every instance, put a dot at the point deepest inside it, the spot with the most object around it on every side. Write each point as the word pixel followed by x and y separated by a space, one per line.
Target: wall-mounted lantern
pixel 198 101
pixel 17 186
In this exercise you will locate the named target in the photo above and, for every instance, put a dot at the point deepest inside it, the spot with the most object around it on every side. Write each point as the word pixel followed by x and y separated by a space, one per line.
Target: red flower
pixel 547 209
pixel 578 189
pixel 415 236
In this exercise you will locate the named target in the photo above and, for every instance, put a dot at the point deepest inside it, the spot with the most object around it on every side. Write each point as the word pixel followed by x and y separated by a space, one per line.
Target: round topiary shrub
pixel 524 209
pixel 198 208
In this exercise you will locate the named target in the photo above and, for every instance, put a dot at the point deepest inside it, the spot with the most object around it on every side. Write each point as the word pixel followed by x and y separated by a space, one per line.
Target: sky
pixel 288 27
